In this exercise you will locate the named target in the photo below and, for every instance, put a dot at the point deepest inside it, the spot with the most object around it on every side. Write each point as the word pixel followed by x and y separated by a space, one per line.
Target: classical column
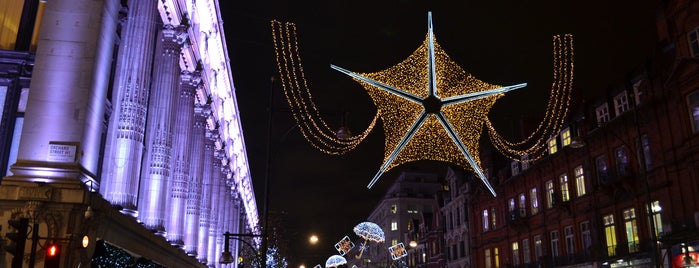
pixel 180 162
pixel 215 208
pixel 67 93
pixel 156 169
pixel 194 194
pixel 124 143
pixel 206 191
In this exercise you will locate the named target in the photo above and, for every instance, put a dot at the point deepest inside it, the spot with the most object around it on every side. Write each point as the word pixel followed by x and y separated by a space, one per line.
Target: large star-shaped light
pixel 431 108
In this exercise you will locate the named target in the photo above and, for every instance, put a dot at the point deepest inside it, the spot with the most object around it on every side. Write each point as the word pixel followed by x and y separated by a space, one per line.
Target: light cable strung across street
pixel 430 107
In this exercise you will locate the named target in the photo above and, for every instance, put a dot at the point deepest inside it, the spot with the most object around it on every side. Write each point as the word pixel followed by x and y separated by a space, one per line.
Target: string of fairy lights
pixel 297 93
pixel 400 92
pixel 534 145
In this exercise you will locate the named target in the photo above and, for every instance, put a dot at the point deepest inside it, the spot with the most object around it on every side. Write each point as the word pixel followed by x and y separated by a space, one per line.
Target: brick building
pixel 586 204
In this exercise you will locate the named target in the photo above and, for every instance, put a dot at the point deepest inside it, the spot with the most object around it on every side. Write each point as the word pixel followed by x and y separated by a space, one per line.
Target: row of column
pixel 160 164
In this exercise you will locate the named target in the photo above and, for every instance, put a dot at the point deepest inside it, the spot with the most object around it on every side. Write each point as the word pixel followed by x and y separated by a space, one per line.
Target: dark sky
pixel 501 42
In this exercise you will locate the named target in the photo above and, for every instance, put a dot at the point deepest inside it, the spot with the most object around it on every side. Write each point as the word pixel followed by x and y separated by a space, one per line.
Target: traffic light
pixel 17 240
pixel 53 256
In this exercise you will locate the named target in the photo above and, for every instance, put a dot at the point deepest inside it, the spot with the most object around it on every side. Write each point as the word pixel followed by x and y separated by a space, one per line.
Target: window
pixel 394 242
pixel 538 247
pixel 394 209
pixel 462 249
pixel 693 105
pixel 514 166
pixel 525 162
pixel 570 243
pixel 657 220
pixel 554 244
pixel 645 147
pixel 610 234
pixel 586 237
pixel 496 257
pixel 526 255
pixel 638 91
pixel 622 161
pixel 621 103
pixel 553 147
pixel 602 174
pixel 394 226
pixel 602 113
pixel 693 38
pixel 631 228
pixel 485 220
pixel 493 220
pixel 549 194
pixel 486 256
pixel 579 181
pixel 511 205
pixel 565 194
pixel 535 201
pixel 522 205
pixel 515 253
pixel 565 137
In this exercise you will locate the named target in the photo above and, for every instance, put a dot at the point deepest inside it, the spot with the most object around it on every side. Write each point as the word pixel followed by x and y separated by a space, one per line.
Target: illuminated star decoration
pixel 431 108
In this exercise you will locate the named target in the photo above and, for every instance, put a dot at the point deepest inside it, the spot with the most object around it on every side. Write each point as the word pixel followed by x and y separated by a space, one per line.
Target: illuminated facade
pixel 619 187
pixel 407 201
pixel 120 122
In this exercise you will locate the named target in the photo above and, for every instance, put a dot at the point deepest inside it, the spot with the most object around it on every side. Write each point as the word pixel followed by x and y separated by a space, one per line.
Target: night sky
pixel 500 42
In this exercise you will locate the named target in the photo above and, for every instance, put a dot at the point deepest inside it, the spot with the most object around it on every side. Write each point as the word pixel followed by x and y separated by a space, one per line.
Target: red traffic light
pixel 52 251
pixel 53 256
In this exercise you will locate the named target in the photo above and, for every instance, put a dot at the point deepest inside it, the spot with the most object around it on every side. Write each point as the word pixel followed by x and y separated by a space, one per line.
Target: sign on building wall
pixel 62 152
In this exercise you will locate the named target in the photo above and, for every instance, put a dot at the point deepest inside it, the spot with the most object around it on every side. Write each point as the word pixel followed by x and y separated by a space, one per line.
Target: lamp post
pixel 227 255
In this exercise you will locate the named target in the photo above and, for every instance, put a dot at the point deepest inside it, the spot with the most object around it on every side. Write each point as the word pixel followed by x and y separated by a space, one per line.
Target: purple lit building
pixel 120 132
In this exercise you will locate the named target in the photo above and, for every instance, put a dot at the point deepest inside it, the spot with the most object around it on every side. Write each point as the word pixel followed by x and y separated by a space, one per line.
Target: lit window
pixel 693 38
pixel 394 209
pixel 693 100
pixel 511 205
pixel 565 194
pixel 565 137
pixel 394 226
pixel 657 220
pixel 580 181
pixel 538 247
pixel 394 242
pixel 631 228
pixel 610 234
pixel 522 205
pixel 554 244
pixel 486 225
pixel 535 201
pixel 496 257
pixel 515 253
pixel 553 147
pixel 486 255
pixel 550 191
pixel 493 220
pixel 621 103
pixel 602 113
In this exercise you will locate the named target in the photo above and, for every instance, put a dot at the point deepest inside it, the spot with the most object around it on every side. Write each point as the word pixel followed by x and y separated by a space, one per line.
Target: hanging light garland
pixel 534 145
pixel 430 107
pixel 298 96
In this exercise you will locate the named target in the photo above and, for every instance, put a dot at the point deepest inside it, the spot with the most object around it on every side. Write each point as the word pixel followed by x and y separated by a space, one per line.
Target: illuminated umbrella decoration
pixel 370 232
pixel 335 261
